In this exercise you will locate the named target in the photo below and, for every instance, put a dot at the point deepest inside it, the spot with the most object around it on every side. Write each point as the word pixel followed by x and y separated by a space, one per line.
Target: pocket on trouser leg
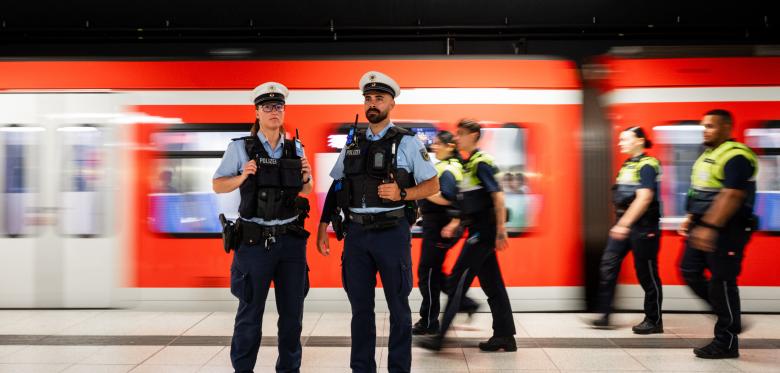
pixel 240 286
pixel 406 285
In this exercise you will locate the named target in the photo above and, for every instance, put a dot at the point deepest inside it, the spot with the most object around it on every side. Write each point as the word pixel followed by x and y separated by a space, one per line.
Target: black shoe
pixel 468 306
pixel 602 323
pixel 420 328
pixel 497 343
pixel 648 327
pixel 713 351
pixel 429 342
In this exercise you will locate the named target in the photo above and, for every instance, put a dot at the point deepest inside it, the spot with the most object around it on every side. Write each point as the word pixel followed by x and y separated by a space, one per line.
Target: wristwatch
pixel 403 194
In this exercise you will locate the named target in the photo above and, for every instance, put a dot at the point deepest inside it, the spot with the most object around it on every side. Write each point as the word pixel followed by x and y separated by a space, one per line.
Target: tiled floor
pixel 136 341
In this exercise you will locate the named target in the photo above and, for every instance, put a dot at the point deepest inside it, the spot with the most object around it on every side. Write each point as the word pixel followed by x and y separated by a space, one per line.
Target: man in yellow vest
pixel 719 224
pixel 481 204
pixel 438 211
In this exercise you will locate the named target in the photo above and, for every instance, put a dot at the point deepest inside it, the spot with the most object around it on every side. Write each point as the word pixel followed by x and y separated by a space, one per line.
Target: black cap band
pixel 267 97
pixel 374 86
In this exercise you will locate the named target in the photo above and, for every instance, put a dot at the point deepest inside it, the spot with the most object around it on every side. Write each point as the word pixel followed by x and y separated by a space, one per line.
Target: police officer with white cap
pixel 374 182
pixel 270 172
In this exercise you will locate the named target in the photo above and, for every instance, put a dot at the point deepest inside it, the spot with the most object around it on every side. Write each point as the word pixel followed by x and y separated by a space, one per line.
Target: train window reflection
pixel 81 187
pixel 19 161
pixel 766 142
pixel 508 146
pixel 679 146
pixel 182 200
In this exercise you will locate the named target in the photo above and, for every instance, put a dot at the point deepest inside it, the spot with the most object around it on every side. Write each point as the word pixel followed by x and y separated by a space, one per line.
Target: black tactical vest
pixel 270 193
pixel 367 164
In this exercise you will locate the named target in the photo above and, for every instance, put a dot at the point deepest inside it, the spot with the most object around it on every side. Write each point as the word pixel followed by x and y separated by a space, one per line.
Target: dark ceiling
pixel 229 28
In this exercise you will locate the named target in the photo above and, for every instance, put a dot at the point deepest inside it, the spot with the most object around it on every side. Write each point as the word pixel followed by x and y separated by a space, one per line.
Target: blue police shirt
pixel 409 157
pixel 233 161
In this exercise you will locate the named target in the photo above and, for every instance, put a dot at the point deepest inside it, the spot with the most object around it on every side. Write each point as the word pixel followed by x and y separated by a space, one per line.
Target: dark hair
pixel 471 125
pixel 640 133
pixel 446 137
pixel 723 114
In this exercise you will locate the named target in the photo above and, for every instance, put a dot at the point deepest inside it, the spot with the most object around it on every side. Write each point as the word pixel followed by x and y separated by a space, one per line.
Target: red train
pixel 127 214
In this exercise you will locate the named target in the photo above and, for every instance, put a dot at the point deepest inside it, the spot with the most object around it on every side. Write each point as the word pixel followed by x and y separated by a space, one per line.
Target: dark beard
pixel 380 116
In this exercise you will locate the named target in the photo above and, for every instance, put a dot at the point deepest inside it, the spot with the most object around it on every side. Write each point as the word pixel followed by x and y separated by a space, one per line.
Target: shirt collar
pixel 372 137
pixel 636 158
pixel 265 141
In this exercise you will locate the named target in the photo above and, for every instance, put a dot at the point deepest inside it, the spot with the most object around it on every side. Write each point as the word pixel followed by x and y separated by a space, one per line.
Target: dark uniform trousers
pixel 720 291
pixel 478 259
pixel 645 244
pixel 253 269
pixel 429 271
pixel 389 252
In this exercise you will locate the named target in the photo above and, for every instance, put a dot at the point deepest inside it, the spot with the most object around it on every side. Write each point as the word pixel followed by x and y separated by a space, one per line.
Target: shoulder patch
pixel 425 155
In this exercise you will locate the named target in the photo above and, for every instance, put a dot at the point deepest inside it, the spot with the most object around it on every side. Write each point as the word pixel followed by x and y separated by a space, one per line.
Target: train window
pixel 182 201
pixel 508 146
pixel 679 145
pixel 82 177
pixel 766 142
pixel 18 177
pixel 193 140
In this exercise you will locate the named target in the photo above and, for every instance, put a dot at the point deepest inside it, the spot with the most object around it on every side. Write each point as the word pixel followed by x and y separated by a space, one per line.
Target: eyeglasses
pixel 267 108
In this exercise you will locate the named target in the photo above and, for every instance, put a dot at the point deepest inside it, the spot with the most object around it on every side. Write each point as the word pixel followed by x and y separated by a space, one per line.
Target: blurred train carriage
pixel 106 166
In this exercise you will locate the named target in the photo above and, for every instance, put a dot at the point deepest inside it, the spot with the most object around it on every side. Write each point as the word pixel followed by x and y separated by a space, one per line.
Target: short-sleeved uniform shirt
pixel 233 162
pixel 409 157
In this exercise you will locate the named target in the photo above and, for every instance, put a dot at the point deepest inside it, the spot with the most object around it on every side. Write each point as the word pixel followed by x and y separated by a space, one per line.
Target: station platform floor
pixel 109 341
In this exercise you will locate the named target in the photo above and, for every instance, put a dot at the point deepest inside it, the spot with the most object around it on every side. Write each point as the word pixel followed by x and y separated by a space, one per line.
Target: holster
pixel 337 222
pixel 231 233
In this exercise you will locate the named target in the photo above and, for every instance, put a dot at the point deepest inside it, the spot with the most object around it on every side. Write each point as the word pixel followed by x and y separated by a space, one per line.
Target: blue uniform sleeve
pixel 232 161
pixel 414 158
pixel 448 186
pixel 486 176
pixel 337 172
pixel 648 177
pixel 737 172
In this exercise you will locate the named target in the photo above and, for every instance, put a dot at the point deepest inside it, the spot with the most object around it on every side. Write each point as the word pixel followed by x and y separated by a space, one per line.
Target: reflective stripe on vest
pixel 470 180
pixel 453 166
pixel 629 173
pixel 708 170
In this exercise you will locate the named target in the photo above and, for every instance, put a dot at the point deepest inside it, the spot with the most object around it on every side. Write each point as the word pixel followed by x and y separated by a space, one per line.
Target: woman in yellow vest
pixel 437 212
pixel 721 221
pixel 635 197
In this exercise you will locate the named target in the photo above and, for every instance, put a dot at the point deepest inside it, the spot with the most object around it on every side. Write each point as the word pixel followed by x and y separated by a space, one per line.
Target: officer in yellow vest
pixel 437 211
pixel 719 224
pixel 481 203
pixel 638 211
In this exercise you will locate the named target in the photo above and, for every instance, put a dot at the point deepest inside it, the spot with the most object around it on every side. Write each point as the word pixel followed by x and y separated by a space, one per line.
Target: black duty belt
pixel 253 233
pixel 377 219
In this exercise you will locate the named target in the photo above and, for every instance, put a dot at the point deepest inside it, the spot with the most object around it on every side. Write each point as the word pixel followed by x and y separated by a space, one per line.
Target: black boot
pixel 421 328
pixel 648 327
pixel 713 351
pixel 468 306
pixel 497 343
pixel 602 323
pixel 430 342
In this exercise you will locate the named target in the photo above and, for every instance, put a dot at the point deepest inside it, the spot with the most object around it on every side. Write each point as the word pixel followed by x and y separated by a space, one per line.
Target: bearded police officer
pixel 637 229
pixel 481 203
pixel 719 224
pixel 374 180
pixel 270 172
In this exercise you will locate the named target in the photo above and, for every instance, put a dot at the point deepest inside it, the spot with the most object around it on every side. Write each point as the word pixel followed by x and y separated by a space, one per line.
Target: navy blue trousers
pixel 387 251
pixel 645 244
pixel 253 269
pixel 720 290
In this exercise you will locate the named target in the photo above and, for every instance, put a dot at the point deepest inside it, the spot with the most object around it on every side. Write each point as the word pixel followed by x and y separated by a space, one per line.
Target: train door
pixel 58 163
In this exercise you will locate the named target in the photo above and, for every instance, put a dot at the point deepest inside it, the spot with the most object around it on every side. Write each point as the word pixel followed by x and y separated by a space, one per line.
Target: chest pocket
pixel 268 174
pixel 290 173
pixel 354 162
pixel 378 162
